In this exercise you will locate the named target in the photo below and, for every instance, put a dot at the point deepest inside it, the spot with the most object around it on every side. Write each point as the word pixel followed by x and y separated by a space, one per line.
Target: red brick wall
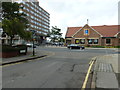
pixel 92 34
pixel 114 42
pixel 8 54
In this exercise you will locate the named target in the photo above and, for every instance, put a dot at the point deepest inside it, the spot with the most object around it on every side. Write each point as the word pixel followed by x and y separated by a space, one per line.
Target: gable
pixel 118 35
pixel 86 31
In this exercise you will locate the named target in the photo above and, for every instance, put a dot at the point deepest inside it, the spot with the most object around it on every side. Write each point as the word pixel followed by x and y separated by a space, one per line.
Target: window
pixel 82 41
pixel 68 42
pixel 86 32
pixel 77 41
pixel 95 41
pixel 90 41
pixel 108 41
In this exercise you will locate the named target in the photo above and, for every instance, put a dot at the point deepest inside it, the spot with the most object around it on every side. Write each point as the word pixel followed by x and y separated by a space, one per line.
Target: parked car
pixel 75 46
pixel 55 43
pixel 31 45
pixel 37 44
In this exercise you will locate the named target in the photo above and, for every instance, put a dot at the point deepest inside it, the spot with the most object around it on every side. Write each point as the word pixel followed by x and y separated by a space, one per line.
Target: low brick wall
pixel 11 51
pixel 8 54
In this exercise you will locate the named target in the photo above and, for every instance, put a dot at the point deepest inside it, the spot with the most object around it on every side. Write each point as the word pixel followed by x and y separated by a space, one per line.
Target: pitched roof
pixel 71 31
pixel 104 30
pixel 107 30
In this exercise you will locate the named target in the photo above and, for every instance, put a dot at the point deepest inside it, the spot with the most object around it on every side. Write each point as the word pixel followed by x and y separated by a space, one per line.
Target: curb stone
pixel 93 83
pixel 22 60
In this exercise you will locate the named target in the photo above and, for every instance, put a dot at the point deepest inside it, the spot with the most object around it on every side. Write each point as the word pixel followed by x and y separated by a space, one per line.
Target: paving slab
pixel 106 80
pixel 105 70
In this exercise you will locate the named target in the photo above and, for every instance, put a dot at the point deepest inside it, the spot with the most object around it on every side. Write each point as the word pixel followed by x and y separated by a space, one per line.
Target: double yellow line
pixel 88 72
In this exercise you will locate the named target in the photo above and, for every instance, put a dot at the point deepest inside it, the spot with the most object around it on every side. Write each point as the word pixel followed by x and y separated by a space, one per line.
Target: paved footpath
pixel 105 70
pixel 38 53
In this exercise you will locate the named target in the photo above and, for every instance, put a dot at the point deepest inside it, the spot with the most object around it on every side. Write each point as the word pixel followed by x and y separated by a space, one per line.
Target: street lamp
pixel 33 33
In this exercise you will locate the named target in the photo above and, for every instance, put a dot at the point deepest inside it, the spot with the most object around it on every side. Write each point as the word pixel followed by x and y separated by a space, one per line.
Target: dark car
pixel 75 46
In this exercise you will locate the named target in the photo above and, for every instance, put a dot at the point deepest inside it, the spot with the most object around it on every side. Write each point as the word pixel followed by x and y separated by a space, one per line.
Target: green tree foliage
pixel 14 22
pixel 55 34
pixel 0 24
pixel 61 39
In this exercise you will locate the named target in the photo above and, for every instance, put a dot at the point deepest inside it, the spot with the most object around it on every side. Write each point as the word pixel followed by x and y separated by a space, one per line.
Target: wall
pixel 92 34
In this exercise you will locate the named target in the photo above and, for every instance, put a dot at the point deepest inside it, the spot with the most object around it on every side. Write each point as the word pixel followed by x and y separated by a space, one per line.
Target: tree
pixel 55 34
pixel 14 22
pixel 62 39
pixel 15 27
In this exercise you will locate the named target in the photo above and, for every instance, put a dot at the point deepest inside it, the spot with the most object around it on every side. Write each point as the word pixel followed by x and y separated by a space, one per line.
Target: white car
pixel 30 45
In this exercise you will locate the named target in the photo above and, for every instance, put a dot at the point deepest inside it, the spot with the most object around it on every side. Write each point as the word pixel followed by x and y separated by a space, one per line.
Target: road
pixel 64 68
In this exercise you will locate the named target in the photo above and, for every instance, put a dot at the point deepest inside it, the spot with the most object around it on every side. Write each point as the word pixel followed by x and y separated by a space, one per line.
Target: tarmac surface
pixel 105 69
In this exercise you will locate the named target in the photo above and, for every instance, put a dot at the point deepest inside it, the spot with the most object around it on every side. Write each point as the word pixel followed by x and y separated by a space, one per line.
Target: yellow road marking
pixel 87 75
pixel 90 62
pixel 12 64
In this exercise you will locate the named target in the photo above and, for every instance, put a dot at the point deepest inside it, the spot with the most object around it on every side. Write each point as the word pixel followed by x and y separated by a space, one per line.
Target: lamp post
pixel 33 48
pixel 33 33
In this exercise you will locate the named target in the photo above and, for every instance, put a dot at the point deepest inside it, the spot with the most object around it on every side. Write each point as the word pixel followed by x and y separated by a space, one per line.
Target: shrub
pixel 20 47
pixel 116 46
pixel 97 46
pixel 8 48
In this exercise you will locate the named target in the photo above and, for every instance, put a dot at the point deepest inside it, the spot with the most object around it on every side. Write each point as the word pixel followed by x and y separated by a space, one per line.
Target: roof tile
pixel 104 30
pixel 72 30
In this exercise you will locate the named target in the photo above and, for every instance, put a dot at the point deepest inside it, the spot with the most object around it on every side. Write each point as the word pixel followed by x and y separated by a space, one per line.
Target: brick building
pixel 106 35
pixel 38 17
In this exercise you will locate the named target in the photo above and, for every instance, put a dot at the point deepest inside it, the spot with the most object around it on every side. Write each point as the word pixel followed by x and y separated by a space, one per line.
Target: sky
pixel 74 13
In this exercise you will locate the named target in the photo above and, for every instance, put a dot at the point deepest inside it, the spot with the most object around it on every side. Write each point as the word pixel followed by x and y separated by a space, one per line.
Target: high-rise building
pixel 39 19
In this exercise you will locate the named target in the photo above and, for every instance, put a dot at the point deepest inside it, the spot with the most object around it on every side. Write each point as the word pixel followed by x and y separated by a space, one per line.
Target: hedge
pixel 105 46
pixel 8 48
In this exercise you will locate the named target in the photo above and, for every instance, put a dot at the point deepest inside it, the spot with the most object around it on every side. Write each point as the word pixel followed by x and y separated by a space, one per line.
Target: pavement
pixel 105 68
pixel 105 72
pixel 29 56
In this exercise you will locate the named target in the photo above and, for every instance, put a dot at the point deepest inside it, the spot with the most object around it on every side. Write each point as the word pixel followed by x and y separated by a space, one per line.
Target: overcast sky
pixel 73 13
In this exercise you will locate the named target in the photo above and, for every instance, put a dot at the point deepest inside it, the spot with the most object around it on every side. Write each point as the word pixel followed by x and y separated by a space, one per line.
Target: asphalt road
pixel 64 68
